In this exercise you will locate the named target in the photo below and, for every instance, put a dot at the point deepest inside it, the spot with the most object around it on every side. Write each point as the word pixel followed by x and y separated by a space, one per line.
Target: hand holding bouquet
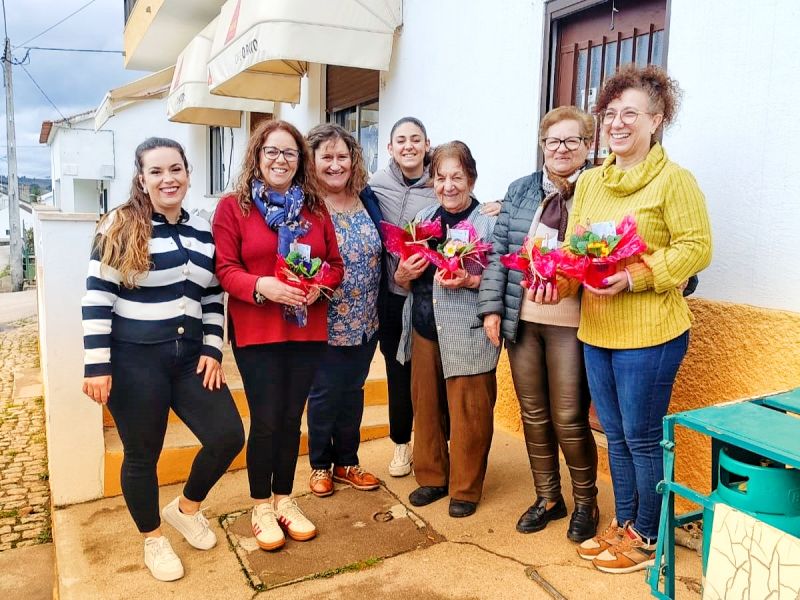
pixel 304 274
pixel 411 239
pixel 462 247
pixel 594 253
pixel 538 263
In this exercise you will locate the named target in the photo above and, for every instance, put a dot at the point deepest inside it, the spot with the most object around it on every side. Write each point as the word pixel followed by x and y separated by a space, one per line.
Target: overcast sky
pixel 75 82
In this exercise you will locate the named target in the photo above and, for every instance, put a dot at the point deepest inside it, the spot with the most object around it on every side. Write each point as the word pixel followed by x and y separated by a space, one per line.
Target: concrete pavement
pixel 17 305
pixel 480 557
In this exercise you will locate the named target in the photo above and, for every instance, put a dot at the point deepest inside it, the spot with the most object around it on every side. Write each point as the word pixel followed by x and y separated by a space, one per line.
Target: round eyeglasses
pixel 627 115
pixel 553 143
pixel 272 153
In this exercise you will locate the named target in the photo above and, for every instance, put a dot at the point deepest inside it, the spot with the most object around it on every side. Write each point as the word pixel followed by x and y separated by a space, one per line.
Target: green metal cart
pixel 768 427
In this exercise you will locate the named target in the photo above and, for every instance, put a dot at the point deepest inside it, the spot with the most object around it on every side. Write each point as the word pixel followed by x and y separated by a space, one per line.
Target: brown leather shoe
pixel 356 477
pixel 321 483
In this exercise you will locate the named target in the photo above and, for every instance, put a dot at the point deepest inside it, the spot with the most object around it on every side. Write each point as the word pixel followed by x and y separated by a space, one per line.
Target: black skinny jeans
pixel 276 378
pixel 398 376
pixel 148 380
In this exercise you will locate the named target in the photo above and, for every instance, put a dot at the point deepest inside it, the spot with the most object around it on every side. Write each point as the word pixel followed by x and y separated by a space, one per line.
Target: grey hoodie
pixel 399 204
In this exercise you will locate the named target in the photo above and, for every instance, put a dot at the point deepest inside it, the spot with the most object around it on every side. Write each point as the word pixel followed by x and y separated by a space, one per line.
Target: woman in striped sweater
pixel 152 321
pixel 635 328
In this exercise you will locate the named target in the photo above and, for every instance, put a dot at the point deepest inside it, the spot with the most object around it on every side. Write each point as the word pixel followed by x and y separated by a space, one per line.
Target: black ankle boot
pixel 424 495
pixel 538 515
pixel 583 523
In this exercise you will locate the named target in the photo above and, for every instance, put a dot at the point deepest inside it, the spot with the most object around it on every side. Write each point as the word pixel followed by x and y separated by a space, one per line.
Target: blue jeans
pixel 336 405
pixel 631 390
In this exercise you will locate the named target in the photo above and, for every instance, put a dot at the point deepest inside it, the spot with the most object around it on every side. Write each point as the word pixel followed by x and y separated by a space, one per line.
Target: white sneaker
pixel 264 522
pixel 401 463
pixel 294 521
pixel 162 561
pixel 193 527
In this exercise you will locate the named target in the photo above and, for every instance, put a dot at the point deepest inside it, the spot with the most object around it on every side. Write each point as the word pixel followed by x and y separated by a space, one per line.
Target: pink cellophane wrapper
pixel 478 255
pixel 298 315
pixel 398 241
pixel 535 266
pixel 630 244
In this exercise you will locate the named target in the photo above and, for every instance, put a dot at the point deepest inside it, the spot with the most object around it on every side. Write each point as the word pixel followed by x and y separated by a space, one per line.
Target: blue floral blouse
pixel 353 310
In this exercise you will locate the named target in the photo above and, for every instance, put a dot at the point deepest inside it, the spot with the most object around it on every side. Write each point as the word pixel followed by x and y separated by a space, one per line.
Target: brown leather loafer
pixel 356 477
pixel 321 483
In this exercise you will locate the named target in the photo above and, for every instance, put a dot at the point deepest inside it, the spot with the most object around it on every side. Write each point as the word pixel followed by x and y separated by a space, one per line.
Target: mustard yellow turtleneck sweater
pixel 671 217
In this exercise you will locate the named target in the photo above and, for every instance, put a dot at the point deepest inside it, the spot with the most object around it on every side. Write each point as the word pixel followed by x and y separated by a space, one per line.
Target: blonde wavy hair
pixel 123 235
pixel 251 170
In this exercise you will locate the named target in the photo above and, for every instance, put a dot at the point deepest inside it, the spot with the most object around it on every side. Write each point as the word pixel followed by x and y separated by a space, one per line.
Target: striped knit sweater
pixel 179 298
pixel 671 217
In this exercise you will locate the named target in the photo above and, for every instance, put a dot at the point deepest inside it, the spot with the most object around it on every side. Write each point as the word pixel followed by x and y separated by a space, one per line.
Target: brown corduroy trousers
pixel 464 406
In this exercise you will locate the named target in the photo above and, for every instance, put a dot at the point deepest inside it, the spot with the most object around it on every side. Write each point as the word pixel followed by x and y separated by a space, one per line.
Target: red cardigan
pixel 246 250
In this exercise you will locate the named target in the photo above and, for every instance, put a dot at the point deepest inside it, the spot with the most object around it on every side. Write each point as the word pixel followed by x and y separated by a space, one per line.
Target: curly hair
pixel 663 91
pixel 123 240
pixel 304 177
pixel 461 152
pixel 328 132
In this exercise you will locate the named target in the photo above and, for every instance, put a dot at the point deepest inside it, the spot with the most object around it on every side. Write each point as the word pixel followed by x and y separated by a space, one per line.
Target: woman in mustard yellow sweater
pixel 635 329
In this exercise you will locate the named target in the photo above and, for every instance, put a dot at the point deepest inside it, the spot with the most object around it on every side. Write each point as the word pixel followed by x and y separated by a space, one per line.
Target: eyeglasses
pixel 554 143
pixel 272 153
pixel 627 115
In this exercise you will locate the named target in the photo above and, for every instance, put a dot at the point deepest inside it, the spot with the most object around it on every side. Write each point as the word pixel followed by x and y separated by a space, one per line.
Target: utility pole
pixel 15 236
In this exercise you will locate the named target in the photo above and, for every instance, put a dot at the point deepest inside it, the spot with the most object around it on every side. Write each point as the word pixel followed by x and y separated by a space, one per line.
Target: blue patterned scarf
pixel 281 213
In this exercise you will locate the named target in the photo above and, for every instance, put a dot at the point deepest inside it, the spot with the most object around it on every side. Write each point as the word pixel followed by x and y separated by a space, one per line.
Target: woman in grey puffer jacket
pixel 544 352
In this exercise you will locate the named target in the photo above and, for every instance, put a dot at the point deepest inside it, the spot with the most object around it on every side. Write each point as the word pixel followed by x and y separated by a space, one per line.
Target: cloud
pixel 75 82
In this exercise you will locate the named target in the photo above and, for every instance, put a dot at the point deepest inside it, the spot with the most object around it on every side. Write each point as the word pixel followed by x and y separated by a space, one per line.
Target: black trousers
pixel 398 376
pixel 148 380
pixel 276 378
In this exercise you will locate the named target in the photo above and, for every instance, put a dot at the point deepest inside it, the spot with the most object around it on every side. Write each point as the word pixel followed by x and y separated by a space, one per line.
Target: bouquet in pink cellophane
pixel 538 263
pixel 411 239
pixel 303 274
pixel 462 247
pixel 591 256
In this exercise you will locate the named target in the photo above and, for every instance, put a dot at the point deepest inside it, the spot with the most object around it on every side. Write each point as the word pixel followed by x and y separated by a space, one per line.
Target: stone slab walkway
pixel 24 489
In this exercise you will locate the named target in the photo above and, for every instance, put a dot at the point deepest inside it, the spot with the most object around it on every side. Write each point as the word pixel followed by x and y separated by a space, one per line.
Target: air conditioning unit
pixel 107 171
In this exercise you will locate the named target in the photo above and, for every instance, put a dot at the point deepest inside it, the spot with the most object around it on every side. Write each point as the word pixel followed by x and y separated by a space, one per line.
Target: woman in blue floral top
pixel 336 400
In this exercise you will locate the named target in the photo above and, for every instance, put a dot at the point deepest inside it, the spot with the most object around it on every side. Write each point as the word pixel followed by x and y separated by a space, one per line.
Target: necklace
pixel 354 206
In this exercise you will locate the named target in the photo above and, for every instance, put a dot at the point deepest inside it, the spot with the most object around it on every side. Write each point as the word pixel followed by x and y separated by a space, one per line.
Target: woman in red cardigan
pixel 276 207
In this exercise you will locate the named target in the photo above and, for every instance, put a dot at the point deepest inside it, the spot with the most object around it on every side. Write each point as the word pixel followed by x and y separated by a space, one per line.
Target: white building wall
pixel 470 71
pixel 310 110
pixel 737 132
pixel 79 153
pixel 138 121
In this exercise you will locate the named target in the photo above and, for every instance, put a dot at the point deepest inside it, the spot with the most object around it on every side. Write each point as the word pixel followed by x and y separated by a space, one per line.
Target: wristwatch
pixel 258 297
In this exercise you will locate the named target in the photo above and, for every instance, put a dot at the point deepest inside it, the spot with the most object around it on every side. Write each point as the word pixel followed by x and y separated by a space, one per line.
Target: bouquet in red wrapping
pixel 411 239
pixel 594 252
pixel 462 246
pixel 302 273
pixel 537 261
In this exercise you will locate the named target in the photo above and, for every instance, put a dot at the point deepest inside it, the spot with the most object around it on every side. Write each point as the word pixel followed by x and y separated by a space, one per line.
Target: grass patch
pixel 8 514
pixel 44 476
pixel 5 271
pixel 352 567
pixel 12 453
pixel 45 535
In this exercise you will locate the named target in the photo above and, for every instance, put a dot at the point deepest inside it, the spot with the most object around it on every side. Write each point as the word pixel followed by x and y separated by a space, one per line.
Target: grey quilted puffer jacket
pixel 500 291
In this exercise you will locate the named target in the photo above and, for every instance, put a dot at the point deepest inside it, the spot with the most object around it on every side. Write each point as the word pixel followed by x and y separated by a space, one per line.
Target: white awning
pixel 189 99
pixel 261 49
pixel 151 87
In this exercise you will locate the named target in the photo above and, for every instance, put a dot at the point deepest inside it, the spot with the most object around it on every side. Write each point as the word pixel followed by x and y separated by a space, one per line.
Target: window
pixel 362 121
pixel 352 103
pixel 216 166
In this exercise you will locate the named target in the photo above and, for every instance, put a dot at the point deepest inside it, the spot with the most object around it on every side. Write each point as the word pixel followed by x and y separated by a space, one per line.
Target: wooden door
pixel 593 43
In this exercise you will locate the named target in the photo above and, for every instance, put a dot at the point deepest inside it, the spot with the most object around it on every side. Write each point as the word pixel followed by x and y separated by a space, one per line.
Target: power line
pixel 72 14
pixel 42 91
pixel 73 50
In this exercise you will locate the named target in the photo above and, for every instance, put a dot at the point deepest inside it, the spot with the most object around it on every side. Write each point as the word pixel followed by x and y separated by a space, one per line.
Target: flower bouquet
pixel 593 254
pixel 411 239
pixel 302 273
pixel 538 263
pixel 462 246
